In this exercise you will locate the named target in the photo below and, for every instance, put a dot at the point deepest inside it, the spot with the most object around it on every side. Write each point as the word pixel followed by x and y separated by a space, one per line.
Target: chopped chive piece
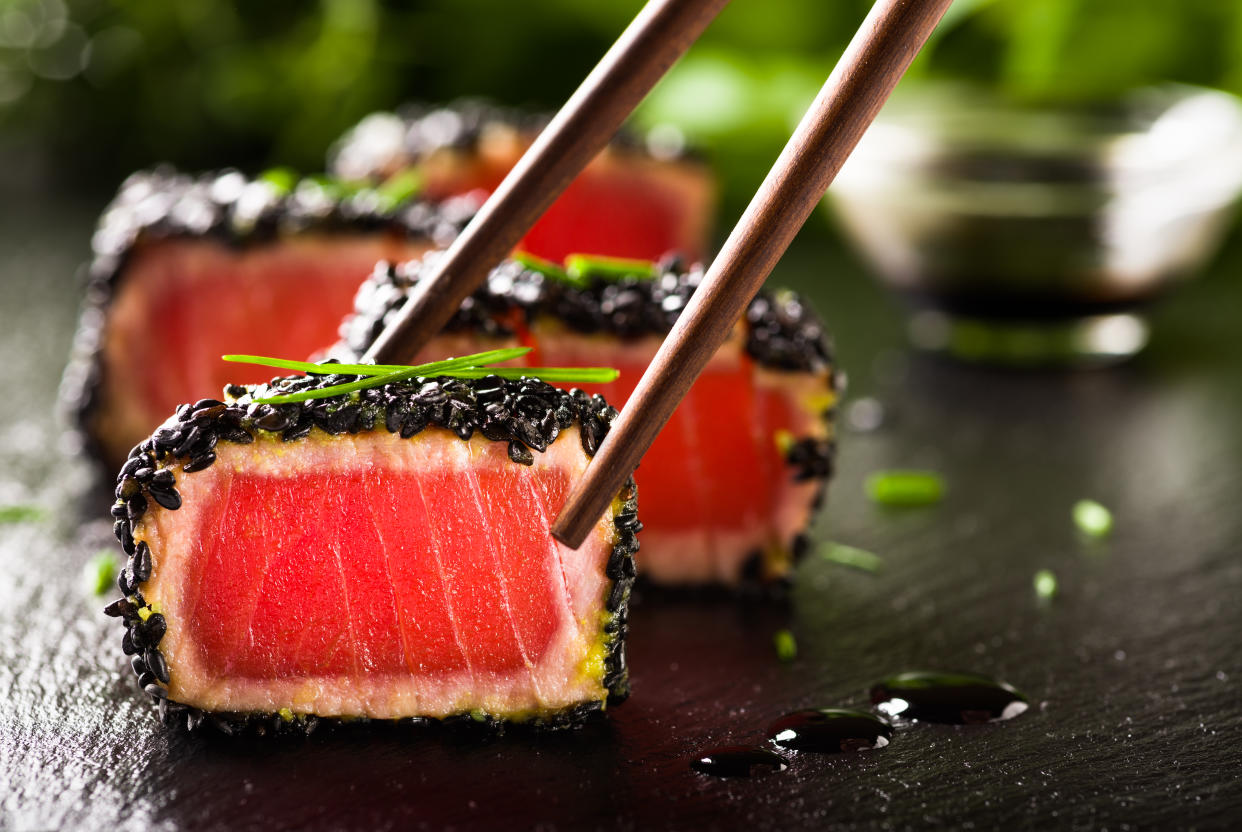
pixel 905 488
pixel 1045 583
pixel 548 269
pixel 583 267
pixel 786 645
pixel 850 556
pixel 400 188
pixel 391 194
pixel 332 187
pixel 282 179
pixel 1092 518
pixel 99 572
pixel 21 514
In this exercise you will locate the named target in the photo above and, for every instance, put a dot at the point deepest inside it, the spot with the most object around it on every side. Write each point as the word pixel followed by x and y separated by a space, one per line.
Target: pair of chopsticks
pixel 870 67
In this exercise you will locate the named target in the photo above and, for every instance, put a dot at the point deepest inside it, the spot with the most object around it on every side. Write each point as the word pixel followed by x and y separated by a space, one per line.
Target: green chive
pixel 582 267
pixel 400 187
pixel 548 269
pixel 850 556
pixel 314 369
pixel 905 488
pixel 376 375
pixel 339 389
pixel 282 179
pixel 99 572
pixel 333 188
pixel 21 514
pixel 433 368
pixel 1045 584
pixel 1092 518
pixel 581 375
pixel 478 359
pixel 786 645
pixel 391 193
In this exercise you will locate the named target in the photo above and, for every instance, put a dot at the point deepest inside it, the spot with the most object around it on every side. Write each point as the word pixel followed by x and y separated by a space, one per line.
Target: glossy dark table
pixel 1133 669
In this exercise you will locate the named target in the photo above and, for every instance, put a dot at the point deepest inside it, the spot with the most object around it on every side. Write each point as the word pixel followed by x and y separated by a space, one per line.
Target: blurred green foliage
pixel 91 89
pixel 743 88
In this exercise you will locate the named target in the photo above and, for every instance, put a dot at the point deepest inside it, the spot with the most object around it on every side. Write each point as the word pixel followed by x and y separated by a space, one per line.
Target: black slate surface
pixel 1133 670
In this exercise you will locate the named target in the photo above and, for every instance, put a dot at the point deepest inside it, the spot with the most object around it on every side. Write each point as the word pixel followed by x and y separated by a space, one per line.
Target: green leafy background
pixel 91 89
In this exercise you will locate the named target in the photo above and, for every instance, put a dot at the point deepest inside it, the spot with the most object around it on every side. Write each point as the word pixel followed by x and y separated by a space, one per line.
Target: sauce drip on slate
pixel 829 730
pixel 952 698
pixel 738 761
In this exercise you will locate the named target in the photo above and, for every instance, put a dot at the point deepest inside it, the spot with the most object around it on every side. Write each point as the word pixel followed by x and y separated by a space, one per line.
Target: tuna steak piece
pixel 186 269
pixel 383 554
pixel 731 483
pixel 642 196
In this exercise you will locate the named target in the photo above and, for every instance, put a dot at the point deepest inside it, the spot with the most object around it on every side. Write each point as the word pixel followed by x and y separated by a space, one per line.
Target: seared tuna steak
pixel 731 482
pixel 186 269
pixel 383 554
pixel 642 196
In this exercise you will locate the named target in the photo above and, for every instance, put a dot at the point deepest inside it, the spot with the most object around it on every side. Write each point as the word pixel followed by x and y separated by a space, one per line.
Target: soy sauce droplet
pixel 738 761
pixel 952 698
pixel 830 730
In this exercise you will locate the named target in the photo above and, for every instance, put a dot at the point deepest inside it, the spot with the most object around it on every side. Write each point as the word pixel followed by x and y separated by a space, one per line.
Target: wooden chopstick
pixel 652 43
pixel 871 66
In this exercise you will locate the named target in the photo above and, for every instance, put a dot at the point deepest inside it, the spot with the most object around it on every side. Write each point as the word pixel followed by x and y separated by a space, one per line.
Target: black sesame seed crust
pixel 525 414
pixel 782 331
pixel 228 207
pixel 367 150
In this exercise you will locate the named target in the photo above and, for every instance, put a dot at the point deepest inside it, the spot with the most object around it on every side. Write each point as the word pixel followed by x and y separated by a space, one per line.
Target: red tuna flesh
pixel 621 205
pixel 379 577
pixel 717 487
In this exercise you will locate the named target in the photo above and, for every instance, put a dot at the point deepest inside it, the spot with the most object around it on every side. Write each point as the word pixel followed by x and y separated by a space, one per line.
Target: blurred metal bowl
pixel 1034 235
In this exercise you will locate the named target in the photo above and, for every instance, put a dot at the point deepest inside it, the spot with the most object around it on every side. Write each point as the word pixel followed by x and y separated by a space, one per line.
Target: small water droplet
pixel 829 730
pixel 738 761
pixel 953 698
pixel 865 415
